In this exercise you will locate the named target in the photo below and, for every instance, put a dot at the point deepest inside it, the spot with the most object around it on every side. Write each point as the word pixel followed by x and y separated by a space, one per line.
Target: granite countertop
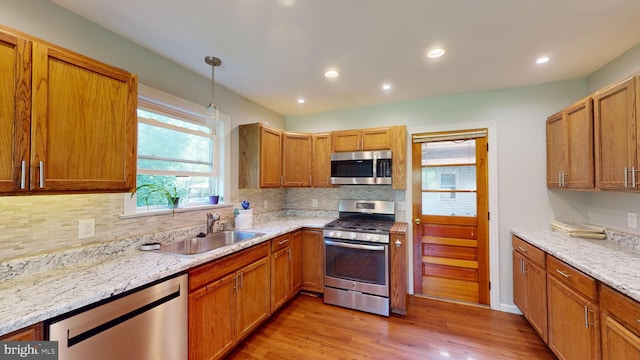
pixel 615 261
pixel 42 287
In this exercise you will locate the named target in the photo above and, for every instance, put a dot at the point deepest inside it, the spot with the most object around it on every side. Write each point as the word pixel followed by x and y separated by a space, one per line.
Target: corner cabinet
pixel 76 132
pixel 616 140
pixel 260 157
pixel 570 150
pixel 228 299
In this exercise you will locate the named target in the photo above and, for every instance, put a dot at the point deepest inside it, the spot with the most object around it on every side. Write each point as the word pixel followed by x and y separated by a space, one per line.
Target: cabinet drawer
pixel 572 277
pixel 531 252
pixel 279 243
pixel 623 308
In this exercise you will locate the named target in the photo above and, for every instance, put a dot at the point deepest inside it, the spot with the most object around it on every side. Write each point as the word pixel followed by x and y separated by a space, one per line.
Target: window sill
pixel 171 211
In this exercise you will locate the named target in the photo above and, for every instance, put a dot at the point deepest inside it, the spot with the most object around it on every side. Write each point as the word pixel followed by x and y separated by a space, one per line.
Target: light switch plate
pixel 314 202
pixel 632 220
pixel 401 206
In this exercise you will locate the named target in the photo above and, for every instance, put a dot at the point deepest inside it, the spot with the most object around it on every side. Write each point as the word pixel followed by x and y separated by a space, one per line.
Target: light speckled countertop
pixel 615 262
pixel 42 287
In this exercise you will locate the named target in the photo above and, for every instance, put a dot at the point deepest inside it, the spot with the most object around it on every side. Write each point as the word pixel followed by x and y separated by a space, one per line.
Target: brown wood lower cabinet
pixel 286 268
pixel 620 324
pixel 312 260
pixel 30 333
pixel 398 268
pixel 228 298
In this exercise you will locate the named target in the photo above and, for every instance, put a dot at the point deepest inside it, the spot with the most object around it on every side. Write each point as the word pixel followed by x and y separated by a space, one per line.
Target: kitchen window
pixel 178 150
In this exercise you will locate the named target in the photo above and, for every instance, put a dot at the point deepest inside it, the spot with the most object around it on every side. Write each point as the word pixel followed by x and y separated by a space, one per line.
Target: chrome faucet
pixel 211 220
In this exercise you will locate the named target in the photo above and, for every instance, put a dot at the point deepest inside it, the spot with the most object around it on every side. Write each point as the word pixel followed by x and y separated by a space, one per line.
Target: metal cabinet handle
pixel 397 243
pixel 241 279
pixel 626 183
pixel 289 254
pixel 524 267
pixel 633 177
pixel 560 179
pixel 23 174
pixel 522 249
pixel 283 241
pixel 586 317
pixel 564 176
pixel 563 274
pixel 41 174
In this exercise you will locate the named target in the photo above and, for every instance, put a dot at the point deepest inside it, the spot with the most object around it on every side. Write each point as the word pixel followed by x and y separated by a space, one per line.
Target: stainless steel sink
pixel 199 245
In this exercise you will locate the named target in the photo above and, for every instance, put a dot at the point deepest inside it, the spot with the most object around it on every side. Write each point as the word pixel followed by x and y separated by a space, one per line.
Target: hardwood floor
pixel 308 329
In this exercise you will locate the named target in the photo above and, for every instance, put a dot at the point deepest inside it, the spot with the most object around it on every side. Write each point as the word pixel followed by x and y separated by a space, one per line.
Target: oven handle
pixel 354 246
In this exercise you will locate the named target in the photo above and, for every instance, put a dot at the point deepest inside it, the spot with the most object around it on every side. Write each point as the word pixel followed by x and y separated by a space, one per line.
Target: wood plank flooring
pixel 308 329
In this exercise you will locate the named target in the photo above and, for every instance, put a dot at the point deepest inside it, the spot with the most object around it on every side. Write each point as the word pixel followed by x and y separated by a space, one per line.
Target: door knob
pixel 417 221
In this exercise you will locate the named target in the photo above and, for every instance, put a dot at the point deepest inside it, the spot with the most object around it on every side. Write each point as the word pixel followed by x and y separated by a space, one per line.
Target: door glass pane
pixel 449 178
pixel 449 203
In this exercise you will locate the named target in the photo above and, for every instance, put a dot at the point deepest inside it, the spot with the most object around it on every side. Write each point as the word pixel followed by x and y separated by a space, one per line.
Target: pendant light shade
pixel 213 114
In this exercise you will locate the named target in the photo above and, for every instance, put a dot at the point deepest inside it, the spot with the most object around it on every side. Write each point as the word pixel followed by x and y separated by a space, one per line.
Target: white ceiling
pixel 274 51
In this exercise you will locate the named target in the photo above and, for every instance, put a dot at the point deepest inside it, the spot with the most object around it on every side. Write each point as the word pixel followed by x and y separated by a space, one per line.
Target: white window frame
pixel 151 99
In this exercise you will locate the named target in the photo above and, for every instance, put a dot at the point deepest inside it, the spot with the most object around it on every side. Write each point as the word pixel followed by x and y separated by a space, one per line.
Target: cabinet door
pixel 618 342
pixel 321 170
pixel 253 296
pixel 296 160
pixel 270 157
pixel 573 323
pixel 555 150
pixel 31 333
pixel 15 93
pixel 313 260
pixel 296 262
pixel 83 123
pixel 536 294
pixel 519 283
pixel 376 139
pixel 398 278
pixel 615 135
pixel 348 140
pixel 579 127
pixel 280 277
pixel 212 319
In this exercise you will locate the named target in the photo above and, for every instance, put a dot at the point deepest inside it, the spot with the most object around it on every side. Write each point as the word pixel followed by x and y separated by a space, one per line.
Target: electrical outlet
pixel 632 220
pixel 86 228
pixel 314 202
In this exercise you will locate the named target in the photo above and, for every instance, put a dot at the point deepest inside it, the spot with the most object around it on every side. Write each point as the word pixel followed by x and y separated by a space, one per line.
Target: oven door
pixel 356 266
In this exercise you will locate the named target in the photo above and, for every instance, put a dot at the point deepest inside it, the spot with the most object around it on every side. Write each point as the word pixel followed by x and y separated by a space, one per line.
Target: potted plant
pixel 146 191
pixel 214 199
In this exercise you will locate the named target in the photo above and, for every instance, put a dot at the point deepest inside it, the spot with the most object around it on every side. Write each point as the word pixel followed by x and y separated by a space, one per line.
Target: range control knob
pixel 368 237
pixel 353 235
pixel 376 238
pixel 338 234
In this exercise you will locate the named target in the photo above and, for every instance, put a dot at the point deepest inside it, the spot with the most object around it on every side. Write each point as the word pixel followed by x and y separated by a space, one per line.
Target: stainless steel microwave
pixel 361 167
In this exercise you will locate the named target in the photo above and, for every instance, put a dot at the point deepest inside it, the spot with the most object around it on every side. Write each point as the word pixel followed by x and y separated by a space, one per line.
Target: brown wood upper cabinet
pixel 570 147
pixel 71 125
pixel 296 159
pixel 616 136
pixel 362 139
pixel 321 166
pixel 260 152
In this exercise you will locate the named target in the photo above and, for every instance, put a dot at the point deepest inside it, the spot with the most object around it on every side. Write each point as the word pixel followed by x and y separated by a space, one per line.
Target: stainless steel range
pixel 356 247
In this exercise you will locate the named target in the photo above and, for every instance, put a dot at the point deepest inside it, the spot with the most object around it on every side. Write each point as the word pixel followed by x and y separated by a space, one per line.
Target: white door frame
pixel 494 246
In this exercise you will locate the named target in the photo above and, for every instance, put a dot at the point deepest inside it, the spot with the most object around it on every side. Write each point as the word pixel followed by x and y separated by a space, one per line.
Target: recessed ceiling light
pixel 386 86
pixel 300 100
pixel 542 60
pixel 435 53
pixel 331 74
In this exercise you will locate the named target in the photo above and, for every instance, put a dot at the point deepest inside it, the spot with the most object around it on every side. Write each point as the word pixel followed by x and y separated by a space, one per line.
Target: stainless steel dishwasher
pixel 150 323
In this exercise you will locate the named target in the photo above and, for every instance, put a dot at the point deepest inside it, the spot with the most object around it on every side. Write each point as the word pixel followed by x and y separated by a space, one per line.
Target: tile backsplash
pixel 30 225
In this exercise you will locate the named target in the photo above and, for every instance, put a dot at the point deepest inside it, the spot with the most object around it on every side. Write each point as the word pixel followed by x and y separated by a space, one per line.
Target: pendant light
pixel 213 114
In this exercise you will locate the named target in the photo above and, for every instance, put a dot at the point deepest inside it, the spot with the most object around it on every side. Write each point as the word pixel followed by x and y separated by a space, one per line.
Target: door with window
pixel 450 215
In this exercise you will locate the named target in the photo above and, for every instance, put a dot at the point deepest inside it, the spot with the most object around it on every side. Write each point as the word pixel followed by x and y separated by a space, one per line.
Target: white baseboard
pixel 509 308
